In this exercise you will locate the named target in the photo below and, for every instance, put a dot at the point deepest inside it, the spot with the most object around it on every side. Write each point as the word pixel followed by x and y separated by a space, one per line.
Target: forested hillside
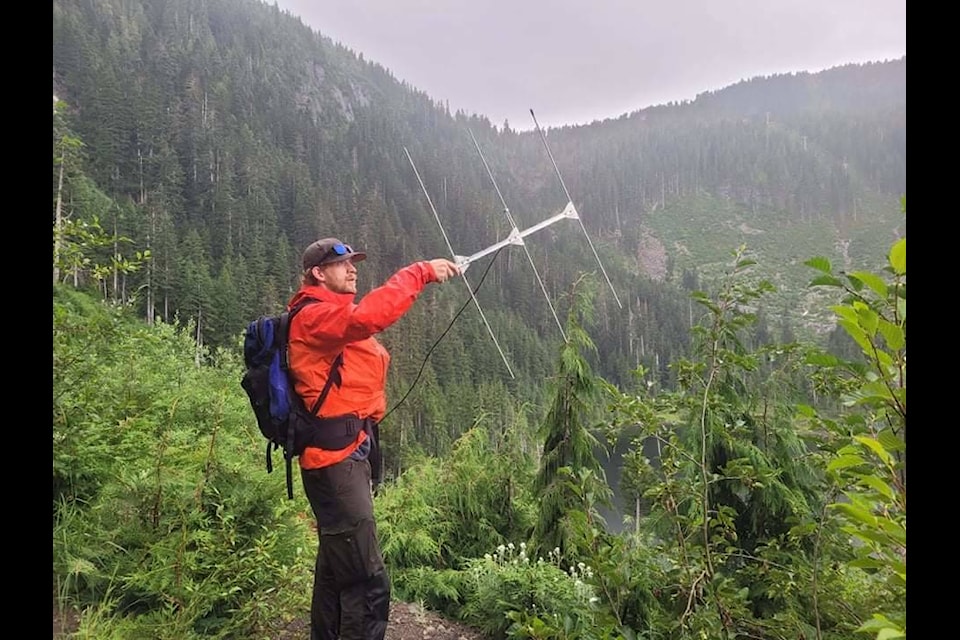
pixel 760 516
pixel 226 135
pixel 200 145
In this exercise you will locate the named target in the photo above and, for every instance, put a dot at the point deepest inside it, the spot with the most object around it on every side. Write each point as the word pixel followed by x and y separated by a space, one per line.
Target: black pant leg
pixel 366 608
pixel 354 612
pixel 325 603
pixel 378 600
pixel 339 495
pixel 351 587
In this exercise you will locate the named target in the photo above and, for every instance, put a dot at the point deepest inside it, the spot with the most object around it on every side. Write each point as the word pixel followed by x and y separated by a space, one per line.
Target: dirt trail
pixel 407 622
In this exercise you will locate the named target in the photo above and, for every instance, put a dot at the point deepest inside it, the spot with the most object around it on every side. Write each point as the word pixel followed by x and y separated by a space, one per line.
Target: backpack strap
pixel 283 330
pixel 333 378
pixel 288 452
pixel 283 338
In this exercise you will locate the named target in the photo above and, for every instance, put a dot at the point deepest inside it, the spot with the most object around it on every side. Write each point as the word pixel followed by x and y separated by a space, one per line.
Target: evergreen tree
pixel 568 460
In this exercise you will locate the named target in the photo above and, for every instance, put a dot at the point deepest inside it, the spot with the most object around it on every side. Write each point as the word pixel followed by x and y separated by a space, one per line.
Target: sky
pixel 576 61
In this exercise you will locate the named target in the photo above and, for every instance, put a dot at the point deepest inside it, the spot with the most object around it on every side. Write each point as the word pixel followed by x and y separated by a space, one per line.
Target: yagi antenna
pixel 514 237
pixel 570 204
pixel 462 267
pixel 515 231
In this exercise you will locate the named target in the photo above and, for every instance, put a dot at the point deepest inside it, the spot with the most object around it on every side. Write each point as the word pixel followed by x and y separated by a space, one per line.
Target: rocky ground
pixel 412 622
pixel 407 622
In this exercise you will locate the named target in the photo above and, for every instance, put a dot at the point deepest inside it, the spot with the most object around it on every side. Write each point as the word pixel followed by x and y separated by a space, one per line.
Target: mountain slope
pixel 230 135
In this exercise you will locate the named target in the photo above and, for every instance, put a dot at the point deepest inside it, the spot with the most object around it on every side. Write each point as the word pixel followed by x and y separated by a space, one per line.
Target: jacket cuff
pixel 429 272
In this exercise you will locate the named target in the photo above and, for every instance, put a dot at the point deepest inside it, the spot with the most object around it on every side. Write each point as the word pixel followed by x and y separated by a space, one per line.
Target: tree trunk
pixel 58 224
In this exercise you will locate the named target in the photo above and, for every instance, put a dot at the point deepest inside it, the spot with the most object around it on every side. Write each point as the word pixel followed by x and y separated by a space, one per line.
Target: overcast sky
pixel 575 61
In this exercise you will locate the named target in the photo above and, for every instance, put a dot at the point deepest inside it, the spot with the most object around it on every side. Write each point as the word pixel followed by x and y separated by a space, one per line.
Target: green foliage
pixel 83 250
pixel 738 499
pixel 698 228
pixel 503 589
pixel 165 524
pixel 569 481
pixel 870 466
pixel 223 156
pixel 80 243
pixel 218 158
pixel 442 512
pixel 437 589
pixel 410 525
pixel 629 572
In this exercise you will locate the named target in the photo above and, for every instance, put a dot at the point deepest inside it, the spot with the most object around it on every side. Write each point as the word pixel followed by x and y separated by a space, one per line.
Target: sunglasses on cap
pixel 340 249
pixel 329 250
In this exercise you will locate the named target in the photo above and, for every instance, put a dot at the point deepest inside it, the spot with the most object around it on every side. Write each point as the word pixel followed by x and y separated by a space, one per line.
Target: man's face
pixel 339 277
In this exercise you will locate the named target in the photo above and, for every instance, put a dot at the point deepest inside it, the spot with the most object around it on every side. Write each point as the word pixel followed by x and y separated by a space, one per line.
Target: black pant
pixel 351 589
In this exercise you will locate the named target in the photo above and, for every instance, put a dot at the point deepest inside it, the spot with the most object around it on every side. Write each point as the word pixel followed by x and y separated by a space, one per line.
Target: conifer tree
pixel 66 150
pixel 569 469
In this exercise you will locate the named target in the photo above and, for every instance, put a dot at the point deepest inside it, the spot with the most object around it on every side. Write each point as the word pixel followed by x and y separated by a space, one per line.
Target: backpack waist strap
pixel 336 432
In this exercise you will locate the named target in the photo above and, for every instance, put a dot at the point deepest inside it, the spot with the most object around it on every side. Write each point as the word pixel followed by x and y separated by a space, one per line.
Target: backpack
pixel 281 416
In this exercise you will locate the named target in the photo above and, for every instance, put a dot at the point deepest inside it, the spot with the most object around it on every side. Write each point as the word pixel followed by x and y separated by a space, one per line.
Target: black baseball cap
pixel 328 251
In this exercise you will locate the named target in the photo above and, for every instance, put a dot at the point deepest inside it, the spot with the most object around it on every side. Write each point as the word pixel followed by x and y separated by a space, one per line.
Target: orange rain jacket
pixel 320 331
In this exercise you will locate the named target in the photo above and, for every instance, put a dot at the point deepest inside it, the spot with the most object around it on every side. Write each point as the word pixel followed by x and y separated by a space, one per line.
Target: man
pixel 351 590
